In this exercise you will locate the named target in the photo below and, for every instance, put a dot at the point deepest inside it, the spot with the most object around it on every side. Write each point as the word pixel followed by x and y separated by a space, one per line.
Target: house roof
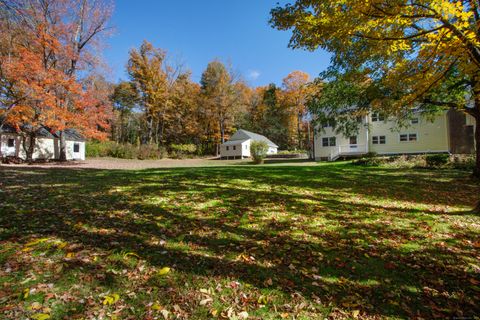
pixel 247 135
pixel 234 142
pixel 43 132
pixel 71 135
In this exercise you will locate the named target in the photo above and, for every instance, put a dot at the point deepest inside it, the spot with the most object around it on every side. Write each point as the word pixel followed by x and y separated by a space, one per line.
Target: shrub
pixel 124 151
pixel 292 152
pixel 437 160
pixel 462 161
pixel 182 150
pixel 151 152
pixel 403 161
pixel 98 149
pixel 258 150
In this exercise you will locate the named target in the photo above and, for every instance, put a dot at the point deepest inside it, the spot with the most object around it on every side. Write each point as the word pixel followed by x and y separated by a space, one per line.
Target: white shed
pixel 47 144
pixel 239 145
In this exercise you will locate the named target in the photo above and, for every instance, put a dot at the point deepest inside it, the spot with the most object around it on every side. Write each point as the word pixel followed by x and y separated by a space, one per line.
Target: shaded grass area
pixel 267 242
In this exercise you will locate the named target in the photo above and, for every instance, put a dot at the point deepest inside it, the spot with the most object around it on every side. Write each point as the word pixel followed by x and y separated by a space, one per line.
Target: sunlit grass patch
pixel 273 242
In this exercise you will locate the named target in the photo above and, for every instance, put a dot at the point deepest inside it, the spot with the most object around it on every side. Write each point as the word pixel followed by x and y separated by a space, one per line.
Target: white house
pixel 447 132
pixel 239 145
pixel 47 145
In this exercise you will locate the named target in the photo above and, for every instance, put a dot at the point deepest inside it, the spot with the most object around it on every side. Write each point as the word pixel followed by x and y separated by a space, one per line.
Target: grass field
pixel 237 242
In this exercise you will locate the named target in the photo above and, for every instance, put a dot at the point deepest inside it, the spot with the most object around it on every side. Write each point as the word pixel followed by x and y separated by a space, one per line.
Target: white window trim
pixel 350 142
pixel 378 140
pixel 14 142
pixel 328 138
pixel 378 117
pixel 408 137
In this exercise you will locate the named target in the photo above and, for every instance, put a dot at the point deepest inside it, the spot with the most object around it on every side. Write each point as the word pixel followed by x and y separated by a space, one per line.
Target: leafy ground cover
pixel 238 242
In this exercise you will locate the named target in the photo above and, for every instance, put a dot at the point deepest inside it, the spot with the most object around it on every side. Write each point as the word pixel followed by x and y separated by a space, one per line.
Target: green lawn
pixel 270 242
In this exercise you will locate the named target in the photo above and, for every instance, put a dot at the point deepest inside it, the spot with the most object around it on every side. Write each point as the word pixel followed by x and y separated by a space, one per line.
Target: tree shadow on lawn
pixel 386 261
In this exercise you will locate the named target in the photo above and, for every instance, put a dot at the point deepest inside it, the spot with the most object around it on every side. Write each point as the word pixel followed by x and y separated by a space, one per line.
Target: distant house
pixel 239 145
pixel 47 145
pixel 448 132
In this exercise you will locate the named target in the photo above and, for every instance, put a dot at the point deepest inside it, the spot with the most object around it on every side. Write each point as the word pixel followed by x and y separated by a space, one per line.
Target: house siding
pixel 45 148
pixel 242 149
pixel 341 141
pixel 433 136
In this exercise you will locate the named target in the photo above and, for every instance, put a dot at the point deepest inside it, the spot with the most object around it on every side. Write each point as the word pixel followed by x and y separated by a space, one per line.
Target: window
pixel 11 143
pixel 228 148
pixel 353 140
pixel 327 124
pixel 414 121
pixel 324 142
pixel 329 142
pixel 377 117
pixel 246 147
pixel 76 147
pixel 404 137
pixel 379 140
pixel 234 147
pixel 333 141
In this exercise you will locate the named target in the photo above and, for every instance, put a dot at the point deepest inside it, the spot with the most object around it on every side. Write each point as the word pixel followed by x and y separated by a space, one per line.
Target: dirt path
pixel 127 164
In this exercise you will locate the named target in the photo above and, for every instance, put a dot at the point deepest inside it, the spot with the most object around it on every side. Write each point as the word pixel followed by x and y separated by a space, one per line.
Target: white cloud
pixel 253 74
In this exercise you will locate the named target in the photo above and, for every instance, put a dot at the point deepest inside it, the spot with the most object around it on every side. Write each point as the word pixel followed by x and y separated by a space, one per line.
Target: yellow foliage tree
pixel 421 50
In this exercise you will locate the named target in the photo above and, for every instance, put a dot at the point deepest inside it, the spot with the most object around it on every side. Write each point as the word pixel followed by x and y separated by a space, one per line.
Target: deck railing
pixel 347 150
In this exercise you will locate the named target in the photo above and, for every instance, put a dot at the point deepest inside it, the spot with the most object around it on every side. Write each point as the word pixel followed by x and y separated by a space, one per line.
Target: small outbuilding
pixel 239 145
pixel 47 144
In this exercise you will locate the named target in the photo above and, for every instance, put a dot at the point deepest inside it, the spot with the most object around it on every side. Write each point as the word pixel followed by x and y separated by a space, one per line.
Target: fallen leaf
pixel 40 316
pixel 163 271
pixel 205 301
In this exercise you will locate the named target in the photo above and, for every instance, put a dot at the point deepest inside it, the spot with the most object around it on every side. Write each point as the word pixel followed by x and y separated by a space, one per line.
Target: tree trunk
pixel 477 208
pixel 30 148
pixel 299 131
pixel 148 137
pixel 63 147
pixel 309 137
pixel 476 170
pixel 222 131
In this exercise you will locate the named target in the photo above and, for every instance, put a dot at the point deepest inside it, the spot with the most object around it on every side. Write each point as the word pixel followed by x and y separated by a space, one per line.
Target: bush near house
pixel 437 160
pixel 463 162
pixel 258 150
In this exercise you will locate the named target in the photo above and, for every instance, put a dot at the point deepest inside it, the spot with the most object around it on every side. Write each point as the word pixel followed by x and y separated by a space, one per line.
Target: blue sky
pixel 196 32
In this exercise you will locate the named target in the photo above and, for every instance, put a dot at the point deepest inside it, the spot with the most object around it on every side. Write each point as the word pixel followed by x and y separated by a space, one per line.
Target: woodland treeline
pixel 161 105
pixel 51 77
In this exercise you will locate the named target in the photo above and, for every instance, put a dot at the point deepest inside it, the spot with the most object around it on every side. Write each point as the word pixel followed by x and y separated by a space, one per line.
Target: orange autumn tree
pixel 296 91
pixel 43 45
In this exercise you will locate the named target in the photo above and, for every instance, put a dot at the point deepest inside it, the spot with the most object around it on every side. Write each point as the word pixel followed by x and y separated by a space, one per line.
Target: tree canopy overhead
pixel 422 52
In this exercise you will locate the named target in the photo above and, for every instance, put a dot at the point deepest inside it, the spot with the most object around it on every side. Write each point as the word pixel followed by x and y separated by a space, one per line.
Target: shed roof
pixel 244 135
pixel 234 142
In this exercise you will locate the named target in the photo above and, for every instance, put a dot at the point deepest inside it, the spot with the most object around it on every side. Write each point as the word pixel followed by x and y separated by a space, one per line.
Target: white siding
pixel 5 150
pixel 341 142
pixel 45 148
pixel 272 150
pixel 431 137
pixel 242 149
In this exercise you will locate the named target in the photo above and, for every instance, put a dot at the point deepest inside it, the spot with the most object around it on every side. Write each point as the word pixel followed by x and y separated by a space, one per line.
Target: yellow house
pixel 448 132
